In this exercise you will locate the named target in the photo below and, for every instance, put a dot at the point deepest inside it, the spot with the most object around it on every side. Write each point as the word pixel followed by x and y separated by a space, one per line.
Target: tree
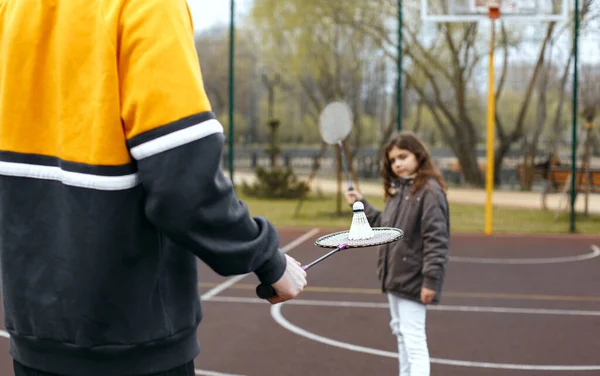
pixel 590 108
pixel 531 142
pixel 320 56
pixel 590 92
pixel 447 56
pixel 212 47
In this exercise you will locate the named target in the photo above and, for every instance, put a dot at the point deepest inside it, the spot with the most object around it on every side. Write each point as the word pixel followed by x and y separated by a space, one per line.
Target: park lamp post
pixel 574 129
pixel 399 84
pixel 231 83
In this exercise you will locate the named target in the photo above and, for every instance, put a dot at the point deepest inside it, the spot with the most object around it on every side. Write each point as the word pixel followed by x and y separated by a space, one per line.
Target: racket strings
pixel 381 235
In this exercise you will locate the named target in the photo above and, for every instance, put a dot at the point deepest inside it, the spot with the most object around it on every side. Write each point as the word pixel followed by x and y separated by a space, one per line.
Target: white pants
pixel 408 325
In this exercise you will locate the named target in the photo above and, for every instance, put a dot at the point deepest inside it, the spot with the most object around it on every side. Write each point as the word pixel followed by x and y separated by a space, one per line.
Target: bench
pixel 559 180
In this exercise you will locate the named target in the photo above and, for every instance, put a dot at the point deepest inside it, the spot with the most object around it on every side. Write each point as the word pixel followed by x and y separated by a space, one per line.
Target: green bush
pixel 275 183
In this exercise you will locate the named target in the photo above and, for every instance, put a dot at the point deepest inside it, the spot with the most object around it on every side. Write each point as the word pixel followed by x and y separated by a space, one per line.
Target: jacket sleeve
pixel 435 227
pixel 177 143
pixel 373 214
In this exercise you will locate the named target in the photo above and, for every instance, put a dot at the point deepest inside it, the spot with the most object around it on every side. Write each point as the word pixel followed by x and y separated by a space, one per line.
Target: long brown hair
pixel 425 166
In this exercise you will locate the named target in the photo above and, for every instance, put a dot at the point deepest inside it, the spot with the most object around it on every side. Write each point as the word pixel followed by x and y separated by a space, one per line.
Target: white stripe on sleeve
pixel 175 139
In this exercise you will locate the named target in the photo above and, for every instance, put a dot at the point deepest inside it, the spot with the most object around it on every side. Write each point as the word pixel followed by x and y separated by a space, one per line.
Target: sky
pixel 207 13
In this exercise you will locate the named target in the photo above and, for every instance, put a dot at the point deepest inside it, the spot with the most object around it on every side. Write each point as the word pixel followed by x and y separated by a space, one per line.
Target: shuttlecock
pixel 360 228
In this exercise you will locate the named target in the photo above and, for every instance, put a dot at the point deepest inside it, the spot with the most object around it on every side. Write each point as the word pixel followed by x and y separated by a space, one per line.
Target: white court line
pixel 513 261
pixel 444 308
pixel 199 372
pixel 278 317
pixel 233 280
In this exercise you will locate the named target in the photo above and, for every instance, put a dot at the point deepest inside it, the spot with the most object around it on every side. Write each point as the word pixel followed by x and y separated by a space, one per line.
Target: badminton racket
pixel 339 241
pixel 335 124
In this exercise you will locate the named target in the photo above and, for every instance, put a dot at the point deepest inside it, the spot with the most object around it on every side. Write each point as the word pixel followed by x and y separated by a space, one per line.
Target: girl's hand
pixel 427 295
pixel 353 196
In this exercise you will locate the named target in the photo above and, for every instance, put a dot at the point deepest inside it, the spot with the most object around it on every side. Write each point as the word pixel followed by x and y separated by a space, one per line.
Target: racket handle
pixel 265 291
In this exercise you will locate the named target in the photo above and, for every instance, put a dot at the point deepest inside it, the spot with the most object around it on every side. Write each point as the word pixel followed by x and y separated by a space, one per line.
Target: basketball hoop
pixel 494 10
pixel 479 10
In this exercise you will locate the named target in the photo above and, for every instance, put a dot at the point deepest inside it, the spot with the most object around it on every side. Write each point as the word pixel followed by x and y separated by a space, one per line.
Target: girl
pixel 412 270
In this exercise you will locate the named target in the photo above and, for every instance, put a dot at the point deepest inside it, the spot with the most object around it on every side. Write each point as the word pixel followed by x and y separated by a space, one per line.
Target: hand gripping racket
pixel 339 241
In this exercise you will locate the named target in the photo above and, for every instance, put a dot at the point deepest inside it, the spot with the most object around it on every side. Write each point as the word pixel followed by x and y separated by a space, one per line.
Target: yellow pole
pixel 491 130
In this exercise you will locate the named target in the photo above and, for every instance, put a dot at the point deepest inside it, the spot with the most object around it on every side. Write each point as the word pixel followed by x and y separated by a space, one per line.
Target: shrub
pixel 276 183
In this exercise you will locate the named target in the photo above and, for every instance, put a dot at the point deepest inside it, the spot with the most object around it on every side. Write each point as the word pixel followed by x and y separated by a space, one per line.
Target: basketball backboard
pixel 478 10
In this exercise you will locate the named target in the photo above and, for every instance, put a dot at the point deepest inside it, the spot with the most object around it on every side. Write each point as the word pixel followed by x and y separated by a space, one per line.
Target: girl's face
pixel 403 162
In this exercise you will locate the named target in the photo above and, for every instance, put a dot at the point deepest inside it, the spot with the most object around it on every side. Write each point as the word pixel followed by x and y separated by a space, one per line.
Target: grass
pixel 322 212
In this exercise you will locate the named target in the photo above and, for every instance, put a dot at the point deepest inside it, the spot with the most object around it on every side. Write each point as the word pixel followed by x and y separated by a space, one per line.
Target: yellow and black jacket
pixel 110 185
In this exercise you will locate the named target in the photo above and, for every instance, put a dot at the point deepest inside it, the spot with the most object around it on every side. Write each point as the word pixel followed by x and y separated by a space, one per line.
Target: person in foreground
pixel 110 187
pixel 412 270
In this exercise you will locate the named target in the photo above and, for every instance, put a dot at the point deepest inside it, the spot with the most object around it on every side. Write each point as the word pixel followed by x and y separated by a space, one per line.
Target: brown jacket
pixel 420 258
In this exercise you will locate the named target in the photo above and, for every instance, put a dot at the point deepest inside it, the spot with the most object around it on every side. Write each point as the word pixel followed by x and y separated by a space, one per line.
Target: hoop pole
pixel 491 125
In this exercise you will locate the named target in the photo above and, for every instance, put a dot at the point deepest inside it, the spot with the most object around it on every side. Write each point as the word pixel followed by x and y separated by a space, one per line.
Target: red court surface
pixel 512 305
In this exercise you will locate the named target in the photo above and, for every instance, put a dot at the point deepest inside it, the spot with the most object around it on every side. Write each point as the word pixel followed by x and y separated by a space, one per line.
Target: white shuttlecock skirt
pixel 360 228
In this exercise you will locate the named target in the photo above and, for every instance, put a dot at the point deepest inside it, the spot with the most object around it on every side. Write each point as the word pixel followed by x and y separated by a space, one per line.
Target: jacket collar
pixel 398 182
